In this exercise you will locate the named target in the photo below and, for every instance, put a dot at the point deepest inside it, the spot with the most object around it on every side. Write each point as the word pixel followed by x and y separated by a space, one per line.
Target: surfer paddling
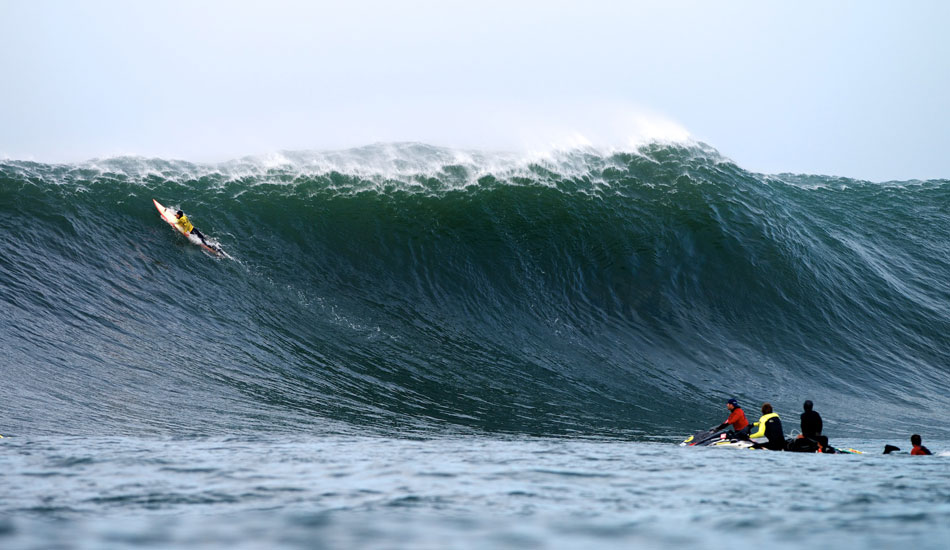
pixel 187 228
pixel 180 222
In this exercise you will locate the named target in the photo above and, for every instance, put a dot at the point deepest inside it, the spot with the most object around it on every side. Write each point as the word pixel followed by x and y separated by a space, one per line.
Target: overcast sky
pixel 854 89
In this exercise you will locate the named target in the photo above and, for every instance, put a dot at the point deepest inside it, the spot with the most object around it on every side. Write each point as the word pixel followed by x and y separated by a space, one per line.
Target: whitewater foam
pixel 409 166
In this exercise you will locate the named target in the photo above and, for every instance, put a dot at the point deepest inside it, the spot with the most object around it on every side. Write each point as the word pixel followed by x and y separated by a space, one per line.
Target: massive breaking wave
pixel 410 289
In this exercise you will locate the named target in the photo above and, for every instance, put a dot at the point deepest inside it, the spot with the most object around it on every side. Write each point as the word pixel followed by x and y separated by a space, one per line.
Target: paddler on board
pixel 188 229
pixel 807 441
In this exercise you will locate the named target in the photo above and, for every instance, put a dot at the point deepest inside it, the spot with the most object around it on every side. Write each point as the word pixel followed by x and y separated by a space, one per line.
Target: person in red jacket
pixel 740 425
pixel 918 449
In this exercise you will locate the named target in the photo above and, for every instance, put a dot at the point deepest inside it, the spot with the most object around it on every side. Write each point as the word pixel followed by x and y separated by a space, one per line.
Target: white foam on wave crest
pixel 407 166
pixel 506 141
pixel 482 136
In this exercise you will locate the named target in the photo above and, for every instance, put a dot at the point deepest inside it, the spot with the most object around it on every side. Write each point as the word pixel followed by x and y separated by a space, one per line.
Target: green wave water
pixel 403 288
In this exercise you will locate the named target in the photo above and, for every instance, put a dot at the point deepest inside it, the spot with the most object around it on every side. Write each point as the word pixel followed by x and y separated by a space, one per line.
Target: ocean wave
pixel 405 287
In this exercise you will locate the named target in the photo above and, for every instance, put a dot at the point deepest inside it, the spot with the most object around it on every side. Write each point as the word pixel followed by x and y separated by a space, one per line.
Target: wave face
pixel 406 288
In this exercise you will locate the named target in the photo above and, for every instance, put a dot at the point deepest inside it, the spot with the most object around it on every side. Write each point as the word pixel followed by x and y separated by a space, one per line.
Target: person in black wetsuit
pixel 807 441
pixel 811 422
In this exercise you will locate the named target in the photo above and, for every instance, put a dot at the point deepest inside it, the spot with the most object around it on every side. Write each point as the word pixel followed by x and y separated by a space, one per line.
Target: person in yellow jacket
pixel 770 427
pixel 188 229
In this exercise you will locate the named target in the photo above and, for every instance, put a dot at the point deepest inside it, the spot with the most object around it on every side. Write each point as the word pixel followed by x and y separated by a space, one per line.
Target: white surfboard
pixel 168 215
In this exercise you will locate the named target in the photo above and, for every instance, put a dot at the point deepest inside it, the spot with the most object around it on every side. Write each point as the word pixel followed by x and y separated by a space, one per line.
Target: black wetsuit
pixel 811 425
pixel 775 434
pixel 198 234
pixel 214 247
pixel 811 430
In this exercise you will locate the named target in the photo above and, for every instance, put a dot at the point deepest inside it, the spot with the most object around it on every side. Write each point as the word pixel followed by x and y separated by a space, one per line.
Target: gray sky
pixel 844 88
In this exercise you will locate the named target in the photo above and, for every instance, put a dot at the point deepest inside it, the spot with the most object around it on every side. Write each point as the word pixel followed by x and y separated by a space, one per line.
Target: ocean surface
pixel 413 346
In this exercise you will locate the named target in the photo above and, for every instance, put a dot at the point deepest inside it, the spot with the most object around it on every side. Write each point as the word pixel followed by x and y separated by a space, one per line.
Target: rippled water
pixel 461 492
pixel 404 287
pixel 516 342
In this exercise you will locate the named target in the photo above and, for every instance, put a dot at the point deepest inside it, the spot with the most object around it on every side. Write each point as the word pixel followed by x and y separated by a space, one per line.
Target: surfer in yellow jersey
pixel 189 229
pixel 769 426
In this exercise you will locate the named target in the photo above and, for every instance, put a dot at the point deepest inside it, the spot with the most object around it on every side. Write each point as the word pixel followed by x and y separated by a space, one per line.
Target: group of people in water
pixel 769 426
